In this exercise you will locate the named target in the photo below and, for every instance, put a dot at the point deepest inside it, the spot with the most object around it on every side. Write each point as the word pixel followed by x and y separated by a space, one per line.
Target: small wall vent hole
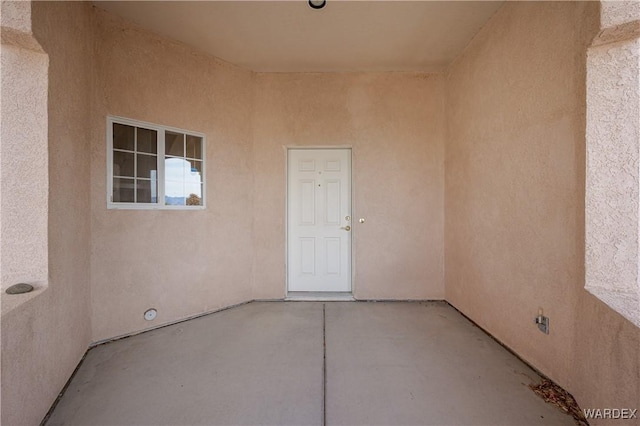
pixel 150 314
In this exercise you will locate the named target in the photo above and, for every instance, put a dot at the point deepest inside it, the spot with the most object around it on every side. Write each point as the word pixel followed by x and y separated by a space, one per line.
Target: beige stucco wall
pixel 394 123
pixel 619 12
pixel 45 333
pixel 515 172
pixel 23 180
pixel 180 262
pixel 185 263
pixel 514 184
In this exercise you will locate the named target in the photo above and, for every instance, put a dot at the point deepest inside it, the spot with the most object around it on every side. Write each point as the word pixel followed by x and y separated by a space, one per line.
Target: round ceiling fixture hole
pixel 317 4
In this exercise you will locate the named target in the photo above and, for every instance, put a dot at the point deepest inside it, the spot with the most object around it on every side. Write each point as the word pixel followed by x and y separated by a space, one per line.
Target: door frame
pixel 287 148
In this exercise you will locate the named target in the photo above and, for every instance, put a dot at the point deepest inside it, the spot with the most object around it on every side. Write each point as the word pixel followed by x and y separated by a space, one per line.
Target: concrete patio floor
pixel 308 363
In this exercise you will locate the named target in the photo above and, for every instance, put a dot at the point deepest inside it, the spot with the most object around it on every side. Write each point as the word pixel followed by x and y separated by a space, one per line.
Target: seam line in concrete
pixel 324 364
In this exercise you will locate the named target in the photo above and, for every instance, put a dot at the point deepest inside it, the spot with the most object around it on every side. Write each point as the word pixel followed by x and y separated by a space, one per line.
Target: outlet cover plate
pixel 543 324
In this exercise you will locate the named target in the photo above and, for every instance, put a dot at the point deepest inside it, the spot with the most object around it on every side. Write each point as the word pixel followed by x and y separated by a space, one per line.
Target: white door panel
pixel 319 220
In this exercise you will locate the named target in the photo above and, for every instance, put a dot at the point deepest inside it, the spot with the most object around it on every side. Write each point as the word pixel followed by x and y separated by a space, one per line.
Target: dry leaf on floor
pixel 562 399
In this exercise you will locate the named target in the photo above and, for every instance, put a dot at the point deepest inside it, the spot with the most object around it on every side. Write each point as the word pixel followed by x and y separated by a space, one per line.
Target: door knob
pixel 346 228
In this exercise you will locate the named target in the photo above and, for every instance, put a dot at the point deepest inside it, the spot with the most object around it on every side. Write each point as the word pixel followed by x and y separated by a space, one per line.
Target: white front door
pixel 319 220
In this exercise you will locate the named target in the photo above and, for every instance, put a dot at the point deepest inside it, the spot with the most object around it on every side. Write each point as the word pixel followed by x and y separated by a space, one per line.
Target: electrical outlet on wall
pixel 543 322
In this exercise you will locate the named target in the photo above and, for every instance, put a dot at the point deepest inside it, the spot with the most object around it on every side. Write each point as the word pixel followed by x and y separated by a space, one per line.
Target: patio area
pixel 300 363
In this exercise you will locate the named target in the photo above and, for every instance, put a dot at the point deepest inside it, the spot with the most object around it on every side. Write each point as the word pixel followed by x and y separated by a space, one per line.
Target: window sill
pixel 111 206
pixel 14 301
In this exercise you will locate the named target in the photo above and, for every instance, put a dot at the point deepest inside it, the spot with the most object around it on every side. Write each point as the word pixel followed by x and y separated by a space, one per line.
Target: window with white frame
pixel 153 166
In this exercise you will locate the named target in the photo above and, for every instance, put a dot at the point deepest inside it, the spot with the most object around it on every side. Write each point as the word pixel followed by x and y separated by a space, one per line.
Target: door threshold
pixel 319 296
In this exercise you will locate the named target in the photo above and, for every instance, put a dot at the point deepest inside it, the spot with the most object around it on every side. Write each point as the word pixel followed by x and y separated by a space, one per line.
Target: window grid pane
pixel 123 190
pixel 136 153
pixel 134 157
pixel 123 137
pixel 174 144
pixel 146 140
pixel 135 192
pixel 194 147
pixel 146 165
pixel 193 199
pixel 123 164
pixel 146 191
pixel 183 174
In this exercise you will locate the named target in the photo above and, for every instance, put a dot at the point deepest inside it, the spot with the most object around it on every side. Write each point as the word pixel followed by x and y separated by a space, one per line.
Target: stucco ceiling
pixel 289 36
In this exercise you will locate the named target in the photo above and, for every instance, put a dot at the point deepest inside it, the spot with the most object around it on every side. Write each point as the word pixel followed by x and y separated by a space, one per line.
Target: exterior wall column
pixel 612 217
pixel 24 184
pixel 24 165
